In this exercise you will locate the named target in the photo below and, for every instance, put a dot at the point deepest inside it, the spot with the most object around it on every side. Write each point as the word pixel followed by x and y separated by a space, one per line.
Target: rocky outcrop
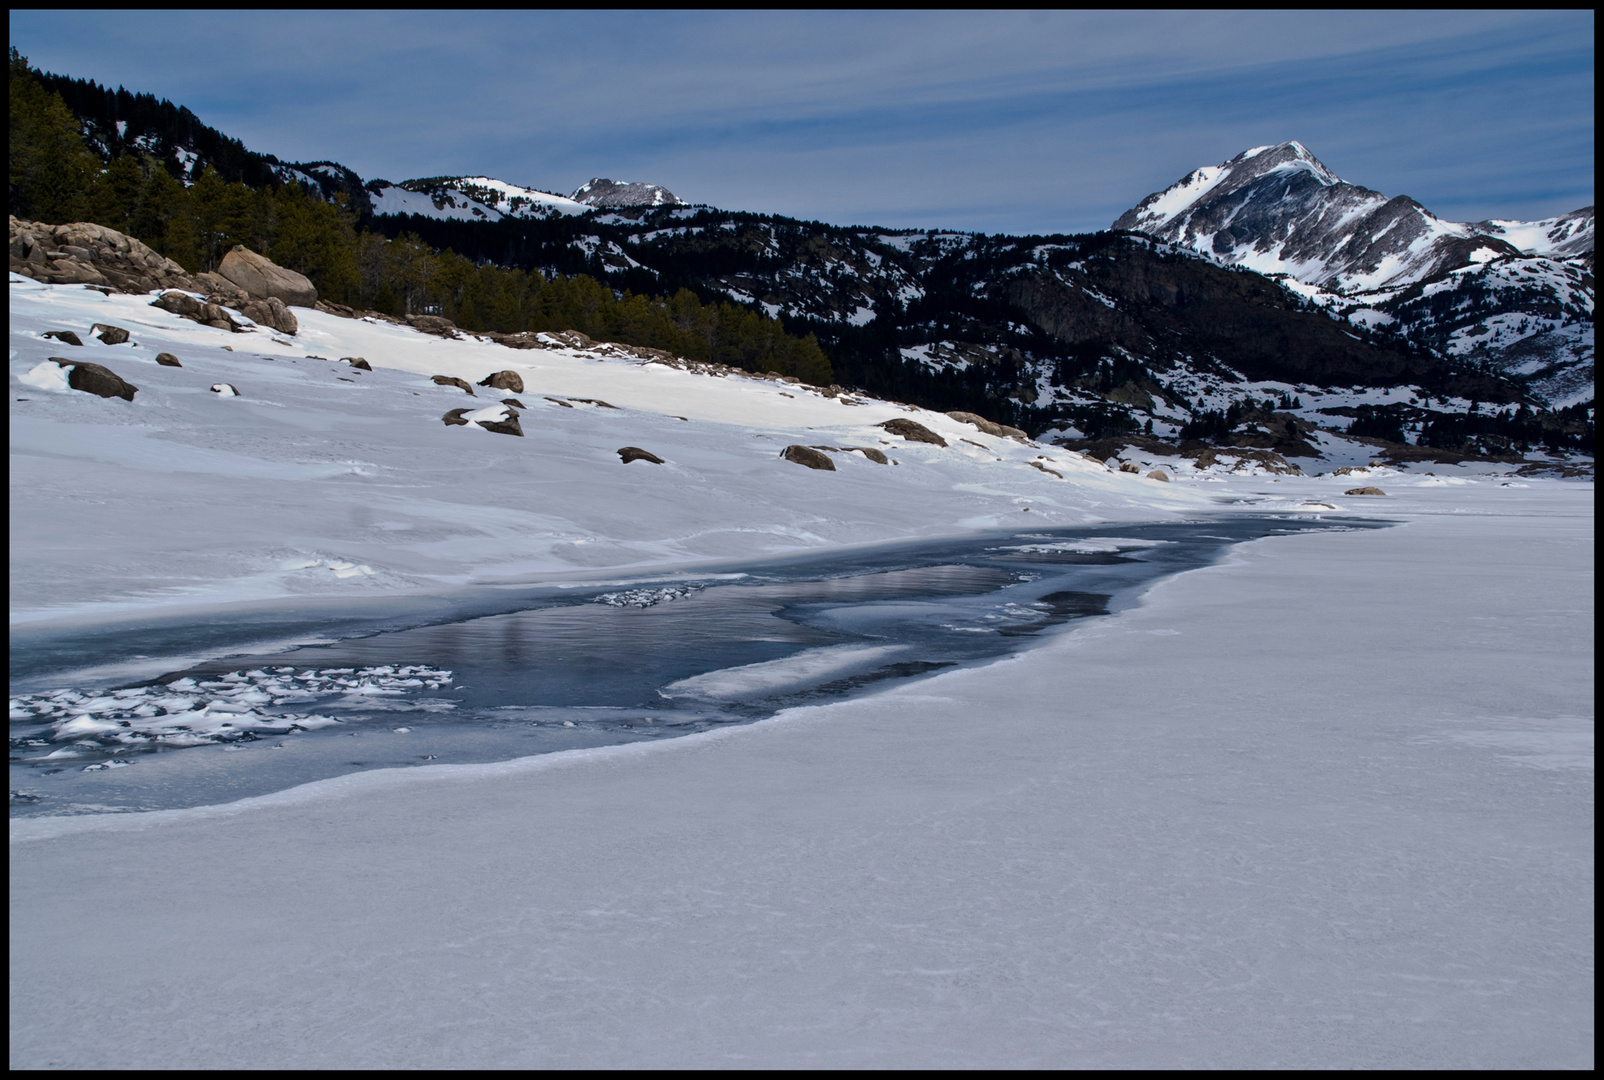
pixel 433 324
pixel 261 278
pixel 1364 491
pixel 635 453
pixel 913 431
pixel 1266 459
pixel 84 253
pixel 804 455
pixel 504 380
pixel 204 312
pixel 452 380
pixel 97 380
pixel 622 193
pixel 1002 431
pixel 167 359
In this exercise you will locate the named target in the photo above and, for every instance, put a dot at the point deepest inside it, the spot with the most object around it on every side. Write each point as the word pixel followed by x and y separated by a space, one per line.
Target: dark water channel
pixel 559 669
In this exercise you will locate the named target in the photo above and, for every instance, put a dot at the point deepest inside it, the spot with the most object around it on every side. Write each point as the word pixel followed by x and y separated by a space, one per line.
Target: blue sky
pixel 988 121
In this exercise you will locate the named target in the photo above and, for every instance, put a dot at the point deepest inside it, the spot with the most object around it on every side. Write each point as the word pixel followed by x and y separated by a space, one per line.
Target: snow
pixel 1327 803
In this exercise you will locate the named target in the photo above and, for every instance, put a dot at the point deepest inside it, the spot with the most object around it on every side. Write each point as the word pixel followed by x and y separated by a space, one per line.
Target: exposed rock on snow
pixel 206 313
pixel 1159 474
pixel 95 379
pixel 262 278
pixel 433 324
pixel 224 389
pixel 357 362
pixel 167 359
pixel 66 337
pixel 1002 431
pixel 109 335
pixel 84 253
pixel 874 454
pixel 635 453
pixel 1364 491
pixel 497 418
pixel 1268 460
pixel 452 380
pixel 504 380
pixel 913 431
pixel 514 402
pixel 804 455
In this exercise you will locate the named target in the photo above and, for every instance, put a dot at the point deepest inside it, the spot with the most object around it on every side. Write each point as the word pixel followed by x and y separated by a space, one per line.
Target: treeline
pixel 55 177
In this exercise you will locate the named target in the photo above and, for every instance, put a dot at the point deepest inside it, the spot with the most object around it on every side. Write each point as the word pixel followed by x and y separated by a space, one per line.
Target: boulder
pixel 912 431
pixel 356 362
pixel 66 337
pixel 452 380
pixel 262 278
pixel 94 379
pixel 270 312
pixel 109 335
pixel 1159 474
pixel 167 359
pixel 223 389
pixel 635 453
pixel 804 455
pixel 1128 466
pixel 875 455
pixel 179 303
pixel 497 418
pixel 1002 431
pixel 1364 491
pixel 514 402
pixel 504 380
pixel 433 324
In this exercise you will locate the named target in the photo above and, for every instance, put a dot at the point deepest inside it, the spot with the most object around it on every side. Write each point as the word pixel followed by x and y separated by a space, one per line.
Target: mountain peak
pixel 623 193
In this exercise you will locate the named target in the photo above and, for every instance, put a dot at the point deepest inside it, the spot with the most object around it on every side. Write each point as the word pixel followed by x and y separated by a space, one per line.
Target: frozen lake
pixel 508 673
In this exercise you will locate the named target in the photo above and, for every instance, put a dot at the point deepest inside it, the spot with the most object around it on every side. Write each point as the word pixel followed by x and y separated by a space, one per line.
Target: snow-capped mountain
pixel 1517 295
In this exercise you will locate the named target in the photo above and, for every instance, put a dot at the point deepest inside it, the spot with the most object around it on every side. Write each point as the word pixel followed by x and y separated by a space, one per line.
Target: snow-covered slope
pixel 1374 259
pixel 182 497
pixel 468 198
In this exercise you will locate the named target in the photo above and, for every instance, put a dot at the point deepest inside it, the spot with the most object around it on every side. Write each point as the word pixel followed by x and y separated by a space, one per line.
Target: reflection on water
pixel 608 664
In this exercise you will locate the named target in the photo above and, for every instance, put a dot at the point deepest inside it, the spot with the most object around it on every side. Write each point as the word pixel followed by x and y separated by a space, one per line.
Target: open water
pixel 498 674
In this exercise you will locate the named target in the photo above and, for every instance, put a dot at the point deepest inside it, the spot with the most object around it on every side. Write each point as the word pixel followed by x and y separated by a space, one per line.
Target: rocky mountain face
pixel 618 193
pixel 1511 296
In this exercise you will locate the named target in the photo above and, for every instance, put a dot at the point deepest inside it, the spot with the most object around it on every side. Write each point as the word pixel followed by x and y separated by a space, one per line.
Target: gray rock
pixel 109 335
pixel 913 431
pixel 1364 491
pixel 504 380
pixel 509 425
pixel 635 453
pixel 875 455
pixel 357 362
pixel 271 312
pixel 167 359
pixel 1159 474
pixel 514 402
pixel 261 277
pixel 94 379
pixel 455 416
pixel 804 455
pixel 66 337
